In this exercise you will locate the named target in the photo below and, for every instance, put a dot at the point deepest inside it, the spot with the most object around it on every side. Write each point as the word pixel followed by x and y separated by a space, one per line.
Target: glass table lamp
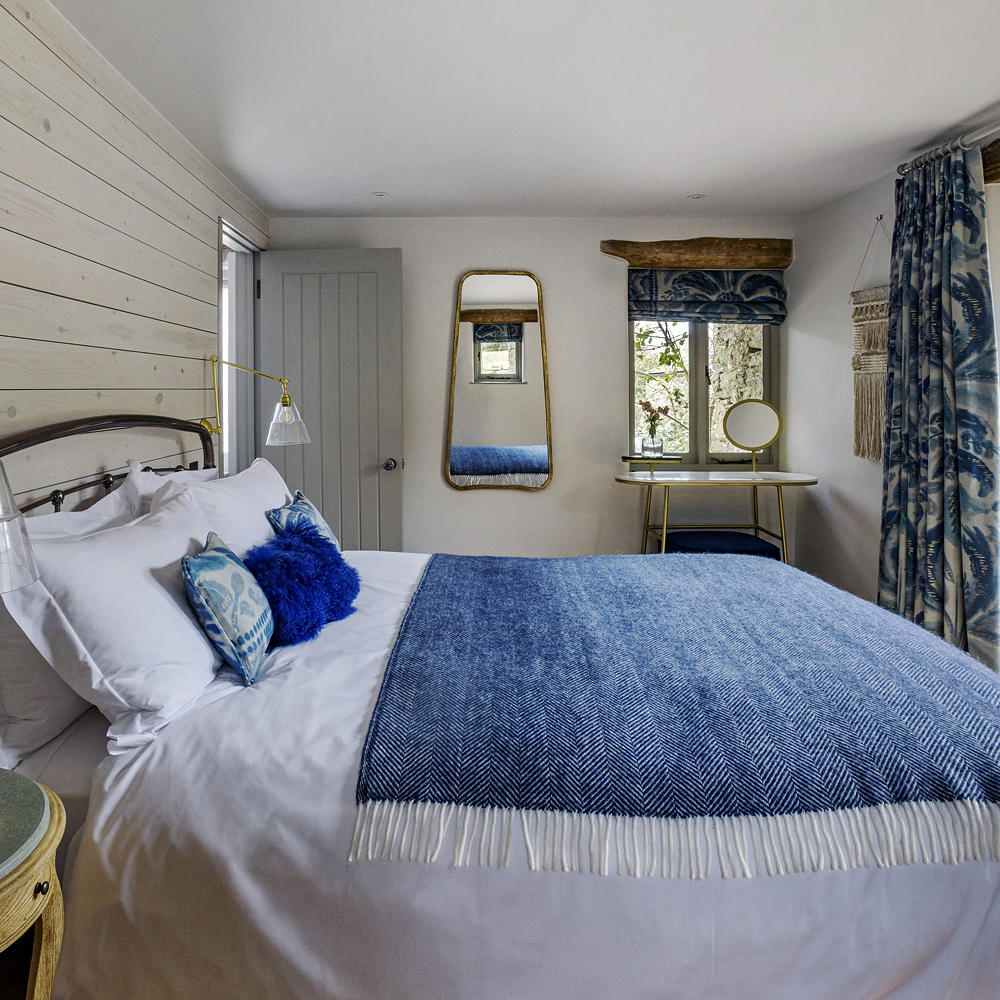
pixel 287 425
pixel 17 563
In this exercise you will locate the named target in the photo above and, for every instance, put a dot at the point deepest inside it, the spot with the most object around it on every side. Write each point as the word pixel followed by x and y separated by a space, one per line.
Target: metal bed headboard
pixel 91 425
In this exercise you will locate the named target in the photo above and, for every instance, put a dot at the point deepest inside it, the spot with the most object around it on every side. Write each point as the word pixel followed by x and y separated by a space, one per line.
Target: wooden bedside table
pixel 30 894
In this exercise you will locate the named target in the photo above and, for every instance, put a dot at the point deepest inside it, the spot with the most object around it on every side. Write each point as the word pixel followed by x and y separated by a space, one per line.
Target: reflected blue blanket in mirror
pixel 496 460
pixel 674 715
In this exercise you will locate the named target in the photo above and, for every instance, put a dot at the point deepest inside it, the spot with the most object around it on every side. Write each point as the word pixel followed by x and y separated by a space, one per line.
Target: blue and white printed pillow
pixel 231 608
pixel 298 512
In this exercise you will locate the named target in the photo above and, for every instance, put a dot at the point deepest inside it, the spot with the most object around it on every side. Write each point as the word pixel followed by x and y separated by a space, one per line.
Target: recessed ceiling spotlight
pixel 380 194
pixel 695 197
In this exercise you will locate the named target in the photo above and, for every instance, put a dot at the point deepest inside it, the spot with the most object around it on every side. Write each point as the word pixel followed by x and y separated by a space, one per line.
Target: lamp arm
pixel 216 361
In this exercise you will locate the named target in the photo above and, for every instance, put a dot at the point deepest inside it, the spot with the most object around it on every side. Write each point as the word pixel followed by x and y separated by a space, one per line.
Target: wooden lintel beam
pixel 499 315
pixel 991 162
pixel 708 253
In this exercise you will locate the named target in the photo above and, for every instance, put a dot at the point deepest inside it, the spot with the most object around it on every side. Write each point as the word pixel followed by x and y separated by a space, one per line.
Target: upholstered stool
pixel 734 542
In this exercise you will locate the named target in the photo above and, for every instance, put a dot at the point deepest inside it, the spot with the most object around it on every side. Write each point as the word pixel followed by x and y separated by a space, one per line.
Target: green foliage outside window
pixel 733 369
pixel 661 379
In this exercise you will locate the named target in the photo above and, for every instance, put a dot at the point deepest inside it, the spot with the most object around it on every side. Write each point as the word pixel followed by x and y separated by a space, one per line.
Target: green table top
pixel 24 818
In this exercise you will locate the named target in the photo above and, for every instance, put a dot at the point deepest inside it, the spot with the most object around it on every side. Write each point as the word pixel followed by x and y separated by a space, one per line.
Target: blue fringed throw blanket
pixel 673 715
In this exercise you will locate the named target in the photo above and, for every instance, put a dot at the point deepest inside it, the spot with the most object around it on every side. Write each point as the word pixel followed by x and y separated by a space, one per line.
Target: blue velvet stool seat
pixel 736 542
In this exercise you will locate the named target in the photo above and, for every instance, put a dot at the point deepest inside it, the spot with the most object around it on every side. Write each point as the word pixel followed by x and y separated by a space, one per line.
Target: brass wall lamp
pixel 287 426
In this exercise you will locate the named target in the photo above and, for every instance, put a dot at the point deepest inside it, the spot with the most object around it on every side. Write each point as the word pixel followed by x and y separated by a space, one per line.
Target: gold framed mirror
pixel 752 425
pixel 499 433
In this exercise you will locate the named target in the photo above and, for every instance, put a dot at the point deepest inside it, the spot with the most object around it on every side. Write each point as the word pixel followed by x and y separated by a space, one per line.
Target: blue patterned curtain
pixel 497 333
pixel 938 563
pixel 706 296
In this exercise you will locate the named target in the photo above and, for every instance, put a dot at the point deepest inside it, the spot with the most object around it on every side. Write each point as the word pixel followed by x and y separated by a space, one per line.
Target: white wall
pixel 835 525
pixel 584 510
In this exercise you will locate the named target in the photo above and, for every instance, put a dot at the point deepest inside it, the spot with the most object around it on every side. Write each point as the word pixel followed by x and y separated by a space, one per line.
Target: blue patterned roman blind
pixel 706 296
pixel 497 333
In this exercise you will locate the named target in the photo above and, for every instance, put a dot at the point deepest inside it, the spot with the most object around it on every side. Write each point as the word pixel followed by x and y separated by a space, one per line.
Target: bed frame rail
pixel 91 425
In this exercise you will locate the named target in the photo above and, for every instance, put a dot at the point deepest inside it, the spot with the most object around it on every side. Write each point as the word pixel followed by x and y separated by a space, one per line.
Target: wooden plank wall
pixel 109 262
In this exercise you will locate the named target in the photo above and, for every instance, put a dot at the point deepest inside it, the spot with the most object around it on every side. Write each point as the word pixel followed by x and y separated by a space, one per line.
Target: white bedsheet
pixel 66 764
pixel 213 866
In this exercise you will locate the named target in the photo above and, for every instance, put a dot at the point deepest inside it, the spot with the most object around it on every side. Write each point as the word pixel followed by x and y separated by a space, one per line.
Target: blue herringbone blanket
pixel 680 715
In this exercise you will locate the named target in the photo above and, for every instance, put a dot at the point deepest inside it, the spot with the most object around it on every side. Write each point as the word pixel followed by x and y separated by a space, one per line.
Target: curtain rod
pixel 966 141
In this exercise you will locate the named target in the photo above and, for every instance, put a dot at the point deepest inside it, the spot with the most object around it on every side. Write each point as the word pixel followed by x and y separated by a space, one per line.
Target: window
pixel 498 361
pixel 236 343
pixel 697 371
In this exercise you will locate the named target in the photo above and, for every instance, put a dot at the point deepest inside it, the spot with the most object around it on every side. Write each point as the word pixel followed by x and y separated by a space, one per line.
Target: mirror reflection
pixel 498 417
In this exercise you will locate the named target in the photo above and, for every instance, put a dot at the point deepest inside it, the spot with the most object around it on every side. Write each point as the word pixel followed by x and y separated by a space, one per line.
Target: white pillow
pixel 36 705
pixel 111 616
pixel 146 484
pixel 236 507
pixel 118 507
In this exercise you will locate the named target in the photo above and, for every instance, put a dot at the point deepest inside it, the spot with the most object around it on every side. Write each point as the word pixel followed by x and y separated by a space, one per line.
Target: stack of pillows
pixel 280 593
pixel 109 622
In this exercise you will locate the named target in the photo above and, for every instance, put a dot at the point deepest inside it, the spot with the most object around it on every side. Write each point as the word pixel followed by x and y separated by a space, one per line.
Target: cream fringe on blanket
pixel 704 846
pixel 870 315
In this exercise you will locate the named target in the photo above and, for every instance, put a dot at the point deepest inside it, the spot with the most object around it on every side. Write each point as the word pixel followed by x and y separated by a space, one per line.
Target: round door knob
pixel 389 464
pixel 42 889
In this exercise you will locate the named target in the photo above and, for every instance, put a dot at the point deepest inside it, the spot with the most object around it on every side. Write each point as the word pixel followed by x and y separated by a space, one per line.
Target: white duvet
pixel 213 865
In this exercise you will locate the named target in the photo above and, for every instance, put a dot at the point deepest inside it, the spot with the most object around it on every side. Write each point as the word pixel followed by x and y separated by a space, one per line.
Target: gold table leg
pixel 663 523
pixel 756 514
pixel 645 519
pixel 781 521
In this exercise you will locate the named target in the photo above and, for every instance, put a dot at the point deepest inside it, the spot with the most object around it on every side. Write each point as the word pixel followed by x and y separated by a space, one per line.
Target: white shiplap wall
pixel 108 254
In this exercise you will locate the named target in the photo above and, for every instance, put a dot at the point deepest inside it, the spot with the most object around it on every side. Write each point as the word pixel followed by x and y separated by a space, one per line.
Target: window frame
pixel 237 341
pixel 478 376
pixel 698 457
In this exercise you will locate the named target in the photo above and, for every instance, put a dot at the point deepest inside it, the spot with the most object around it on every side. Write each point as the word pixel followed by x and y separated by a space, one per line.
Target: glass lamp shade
pixel 17 563
pixel 287 426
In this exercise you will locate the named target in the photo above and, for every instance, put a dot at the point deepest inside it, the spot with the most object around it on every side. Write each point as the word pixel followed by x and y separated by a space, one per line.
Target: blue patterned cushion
pixel 300 511
pixel 230 606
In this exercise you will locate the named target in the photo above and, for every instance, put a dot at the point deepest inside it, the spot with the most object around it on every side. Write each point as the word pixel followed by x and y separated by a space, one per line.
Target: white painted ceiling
pixel 554 107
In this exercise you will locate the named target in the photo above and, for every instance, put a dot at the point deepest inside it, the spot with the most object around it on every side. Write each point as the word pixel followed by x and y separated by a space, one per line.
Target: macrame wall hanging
pixel 870 316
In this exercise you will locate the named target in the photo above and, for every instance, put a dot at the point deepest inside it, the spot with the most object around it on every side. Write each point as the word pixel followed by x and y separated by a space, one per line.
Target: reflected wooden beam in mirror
pixel 498 316
pixel 709 253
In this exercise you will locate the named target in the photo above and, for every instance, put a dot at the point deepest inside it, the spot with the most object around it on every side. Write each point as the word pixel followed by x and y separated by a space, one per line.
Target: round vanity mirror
pixel 751 424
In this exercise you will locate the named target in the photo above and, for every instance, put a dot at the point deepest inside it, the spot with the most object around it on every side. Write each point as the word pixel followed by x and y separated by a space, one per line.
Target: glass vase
pixel 652 447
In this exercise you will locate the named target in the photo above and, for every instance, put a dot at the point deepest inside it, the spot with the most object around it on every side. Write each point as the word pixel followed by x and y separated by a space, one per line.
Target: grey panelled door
pixel 330 321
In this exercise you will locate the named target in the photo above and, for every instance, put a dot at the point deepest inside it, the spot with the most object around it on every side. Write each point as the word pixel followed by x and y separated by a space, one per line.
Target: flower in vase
pixel 653 416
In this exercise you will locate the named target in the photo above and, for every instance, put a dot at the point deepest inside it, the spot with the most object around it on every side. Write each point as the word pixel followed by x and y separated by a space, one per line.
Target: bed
pixel 214 858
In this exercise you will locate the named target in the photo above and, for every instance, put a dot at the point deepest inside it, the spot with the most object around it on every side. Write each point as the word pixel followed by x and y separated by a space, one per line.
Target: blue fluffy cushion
pixel 231 608
pixel 300 511
pixel 306 580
